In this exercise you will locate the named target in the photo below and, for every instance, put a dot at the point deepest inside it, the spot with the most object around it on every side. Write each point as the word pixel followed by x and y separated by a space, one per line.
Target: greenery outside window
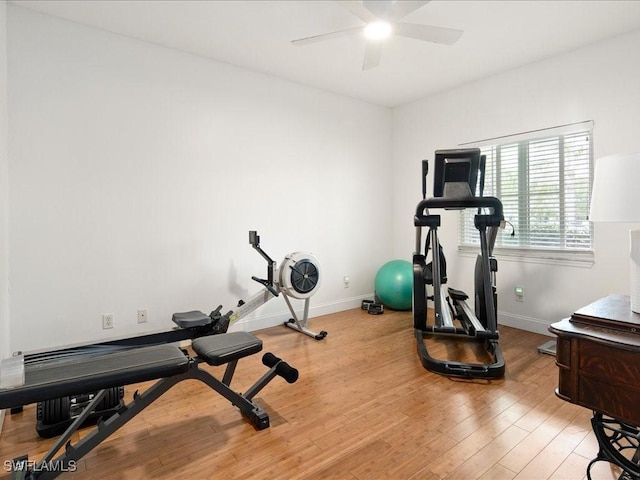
pixel 544 182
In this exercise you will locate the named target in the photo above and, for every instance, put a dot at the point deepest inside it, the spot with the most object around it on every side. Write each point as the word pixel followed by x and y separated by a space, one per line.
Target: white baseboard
pixel 528 324
pixel 256 321
pixel 259 322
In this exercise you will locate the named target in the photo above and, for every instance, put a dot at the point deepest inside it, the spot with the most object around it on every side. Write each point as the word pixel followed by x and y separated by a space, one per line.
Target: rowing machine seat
pixel 194 318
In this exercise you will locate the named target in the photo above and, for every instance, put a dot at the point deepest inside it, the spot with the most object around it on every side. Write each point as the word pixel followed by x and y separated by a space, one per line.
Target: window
pixel 544 184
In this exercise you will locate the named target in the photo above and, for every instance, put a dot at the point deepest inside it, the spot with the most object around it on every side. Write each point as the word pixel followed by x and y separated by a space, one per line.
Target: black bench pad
pixel 78 375
pixel 220 349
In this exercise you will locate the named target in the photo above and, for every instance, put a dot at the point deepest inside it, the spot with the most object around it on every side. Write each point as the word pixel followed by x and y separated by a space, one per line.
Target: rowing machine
pixel 298 277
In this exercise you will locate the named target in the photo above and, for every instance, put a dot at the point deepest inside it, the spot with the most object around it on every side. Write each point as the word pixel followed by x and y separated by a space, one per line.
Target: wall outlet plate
pixel 107 320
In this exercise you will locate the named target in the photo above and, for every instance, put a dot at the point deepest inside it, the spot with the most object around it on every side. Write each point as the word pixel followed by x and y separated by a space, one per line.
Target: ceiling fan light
pixel 377 30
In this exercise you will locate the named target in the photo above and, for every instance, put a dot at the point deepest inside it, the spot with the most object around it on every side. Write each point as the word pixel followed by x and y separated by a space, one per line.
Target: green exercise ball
pixel 394 284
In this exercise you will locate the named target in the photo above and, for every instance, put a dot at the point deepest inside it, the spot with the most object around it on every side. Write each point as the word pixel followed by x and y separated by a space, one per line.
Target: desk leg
pixel 619 444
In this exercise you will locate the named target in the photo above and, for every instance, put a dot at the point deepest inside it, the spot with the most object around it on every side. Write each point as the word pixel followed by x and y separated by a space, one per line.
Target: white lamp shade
pixel 616 198
pixel 616 189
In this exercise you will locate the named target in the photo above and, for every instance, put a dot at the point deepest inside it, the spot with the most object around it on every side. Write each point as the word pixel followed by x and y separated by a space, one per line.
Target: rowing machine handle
pixel 254 238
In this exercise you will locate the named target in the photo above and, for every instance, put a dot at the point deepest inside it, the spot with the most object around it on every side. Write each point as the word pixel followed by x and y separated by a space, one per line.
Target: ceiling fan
pixel 381 20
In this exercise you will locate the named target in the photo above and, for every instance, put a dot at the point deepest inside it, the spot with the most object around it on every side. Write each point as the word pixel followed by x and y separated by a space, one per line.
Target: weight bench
pixel 168 364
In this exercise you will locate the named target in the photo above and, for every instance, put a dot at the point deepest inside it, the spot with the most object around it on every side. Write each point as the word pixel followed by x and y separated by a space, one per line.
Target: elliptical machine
pixel 456 177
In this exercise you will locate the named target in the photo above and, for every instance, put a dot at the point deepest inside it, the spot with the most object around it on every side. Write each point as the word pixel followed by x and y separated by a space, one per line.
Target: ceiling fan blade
pixel 428 33
pixel 326 36
pixel 379 8
pixel 359 10
pixel 401 9
pixel 372 53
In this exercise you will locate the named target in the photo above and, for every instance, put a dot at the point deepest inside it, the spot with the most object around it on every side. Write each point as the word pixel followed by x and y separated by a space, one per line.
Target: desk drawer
pixel 619 401
pixel 618 367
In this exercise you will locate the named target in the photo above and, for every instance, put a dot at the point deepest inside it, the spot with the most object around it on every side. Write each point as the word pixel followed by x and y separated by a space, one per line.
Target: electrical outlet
pixel 142 315
pixel 346 281
pixel 519 291
pixel 107 320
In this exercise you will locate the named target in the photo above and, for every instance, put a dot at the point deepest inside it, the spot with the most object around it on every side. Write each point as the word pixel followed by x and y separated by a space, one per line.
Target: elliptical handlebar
pixel 425 172
pixel 493 203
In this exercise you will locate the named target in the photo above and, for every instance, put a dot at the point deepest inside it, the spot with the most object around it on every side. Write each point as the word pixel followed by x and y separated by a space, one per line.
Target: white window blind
pixel 544 184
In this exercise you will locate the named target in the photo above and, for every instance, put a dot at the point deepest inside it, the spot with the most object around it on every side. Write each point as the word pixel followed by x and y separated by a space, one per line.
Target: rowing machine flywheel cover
pixel 299 275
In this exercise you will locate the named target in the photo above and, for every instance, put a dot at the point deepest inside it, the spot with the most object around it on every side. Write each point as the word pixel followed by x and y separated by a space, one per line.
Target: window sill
pixel 551 257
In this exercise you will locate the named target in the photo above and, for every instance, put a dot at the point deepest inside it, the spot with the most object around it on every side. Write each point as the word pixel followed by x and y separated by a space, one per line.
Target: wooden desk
pixel 598 357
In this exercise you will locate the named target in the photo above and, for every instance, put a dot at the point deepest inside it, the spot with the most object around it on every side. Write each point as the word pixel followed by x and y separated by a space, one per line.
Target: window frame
pixel 534 253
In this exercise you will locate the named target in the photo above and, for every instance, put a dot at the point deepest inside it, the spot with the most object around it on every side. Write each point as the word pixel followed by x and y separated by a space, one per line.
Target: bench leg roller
pixel 270 360
pixel 283 369
pixel 277 367
pixel 287 372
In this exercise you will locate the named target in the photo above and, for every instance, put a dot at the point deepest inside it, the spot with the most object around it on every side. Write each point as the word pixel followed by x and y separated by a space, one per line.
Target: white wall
pixel 4 197
pixel 597 83
pixel 4 246
pixel 137 172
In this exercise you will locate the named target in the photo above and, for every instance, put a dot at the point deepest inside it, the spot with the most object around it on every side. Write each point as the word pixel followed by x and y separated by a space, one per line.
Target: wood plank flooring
pixel 364 408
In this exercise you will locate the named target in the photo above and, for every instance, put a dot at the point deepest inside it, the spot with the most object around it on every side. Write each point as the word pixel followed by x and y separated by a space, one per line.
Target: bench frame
pixel 51 466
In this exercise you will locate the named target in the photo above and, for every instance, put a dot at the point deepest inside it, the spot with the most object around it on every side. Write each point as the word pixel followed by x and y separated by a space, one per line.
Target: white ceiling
pixel 499 35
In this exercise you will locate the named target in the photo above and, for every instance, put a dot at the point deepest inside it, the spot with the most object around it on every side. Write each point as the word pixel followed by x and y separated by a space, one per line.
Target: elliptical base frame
pixel 450 368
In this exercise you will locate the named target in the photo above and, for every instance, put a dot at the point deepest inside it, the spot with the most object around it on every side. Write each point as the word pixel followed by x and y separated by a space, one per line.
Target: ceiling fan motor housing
pixel 299 275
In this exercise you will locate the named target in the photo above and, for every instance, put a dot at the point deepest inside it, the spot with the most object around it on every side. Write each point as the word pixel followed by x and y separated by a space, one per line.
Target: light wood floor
pixel 363 409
